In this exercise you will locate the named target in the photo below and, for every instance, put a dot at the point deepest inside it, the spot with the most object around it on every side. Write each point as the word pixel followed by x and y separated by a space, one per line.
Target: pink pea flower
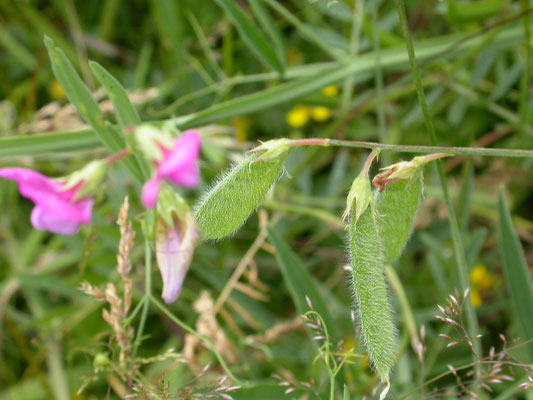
pixel 57 207
pixel 177 164
pixel 174 250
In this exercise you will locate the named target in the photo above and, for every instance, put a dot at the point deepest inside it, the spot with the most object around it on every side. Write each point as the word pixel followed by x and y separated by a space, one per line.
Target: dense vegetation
pixel 292 302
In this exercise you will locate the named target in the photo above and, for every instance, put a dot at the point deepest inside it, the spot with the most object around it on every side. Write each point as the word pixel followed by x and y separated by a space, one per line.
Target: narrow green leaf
pixel 251 35
pixel 17 50
pixel 43 144
pixel 271 29
pixel 126 112
pixel 124 109
pixel 299 281
pixel 80 96
pixel 306 31
pixel 517 272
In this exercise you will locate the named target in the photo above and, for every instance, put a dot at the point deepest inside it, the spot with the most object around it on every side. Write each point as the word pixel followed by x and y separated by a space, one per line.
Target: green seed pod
pixel 227 206
pixel 370 289
pixel 401 187
pixel 395 212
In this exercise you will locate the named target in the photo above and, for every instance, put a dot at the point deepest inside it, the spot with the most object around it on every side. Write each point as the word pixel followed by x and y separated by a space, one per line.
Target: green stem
pixel 305 30
pixel 456 151
pixel 378 81
pixel 357 22
pixel 454 226
pixel 147 291
pixel 206 341
pixel 331 387
pixel 57 373
pixel 407 312
pixel 524 83
pixel 135 311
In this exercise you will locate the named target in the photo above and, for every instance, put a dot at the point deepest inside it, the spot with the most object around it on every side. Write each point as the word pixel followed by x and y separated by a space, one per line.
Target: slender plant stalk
pixel 380 106
pixel 190 330
pixel 57 373
pixel 456 151
pixel 147 291
pixel 357 22
pixel 305 31
pixel 459 251
pixel 524 83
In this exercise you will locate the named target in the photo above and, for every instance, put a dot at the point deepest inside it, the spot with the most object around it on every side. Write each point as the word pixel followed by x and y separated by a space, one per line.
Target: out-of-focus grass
pixel 474 72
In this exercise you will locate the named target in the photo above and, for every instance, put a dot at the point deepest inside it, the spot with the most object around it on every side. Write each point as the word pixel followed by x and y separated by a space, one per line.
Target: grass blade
pixel 124 109
pixel 43 144
pixel 313 77
pixel 268 24
pixel 299 281
pixel 516 271
pixel 252 36
pixel 80 96
pixel 126 112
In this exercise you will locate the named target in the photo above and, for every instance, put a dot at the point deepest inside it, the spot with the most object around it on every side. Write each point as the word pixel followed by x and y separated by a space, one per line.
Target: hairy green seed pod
pixel 227 206
pixel 370 289
pixel 400 190
pixel 395 212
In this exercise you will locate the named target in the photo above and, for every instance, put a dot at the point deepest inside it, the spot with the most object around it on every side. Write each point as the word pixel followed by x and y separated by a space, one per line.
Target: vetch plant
pixel 259 299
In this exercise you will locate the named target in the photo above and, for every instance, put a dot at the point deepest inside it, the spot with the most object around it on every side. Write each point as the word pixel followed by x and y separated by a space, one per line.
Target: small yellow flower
pixel 481 277
pixel 56 91
pixel 320 113
pixel 476 298
pixel 298 116
pixel 241 125
pixel 330 91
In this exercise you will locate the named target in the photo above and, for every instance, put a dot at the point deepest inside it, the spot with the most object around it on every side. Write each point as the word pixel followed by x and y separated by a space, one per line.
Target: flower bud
pixel 274 149
pixel 149 141
pixel 101 361
pixel 176 236
pixel 403 170
pixel 361 191
pixel 88 179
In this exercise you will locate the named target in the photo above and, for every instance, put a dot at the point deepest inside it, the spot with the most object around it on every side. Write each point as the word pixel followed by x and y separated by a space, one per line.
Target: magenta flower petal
pixel 49 195
pixel 41 220
pixel 172 270
pixel 182 158
pixel 174 250
pixel 151 192
pixel 186 176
